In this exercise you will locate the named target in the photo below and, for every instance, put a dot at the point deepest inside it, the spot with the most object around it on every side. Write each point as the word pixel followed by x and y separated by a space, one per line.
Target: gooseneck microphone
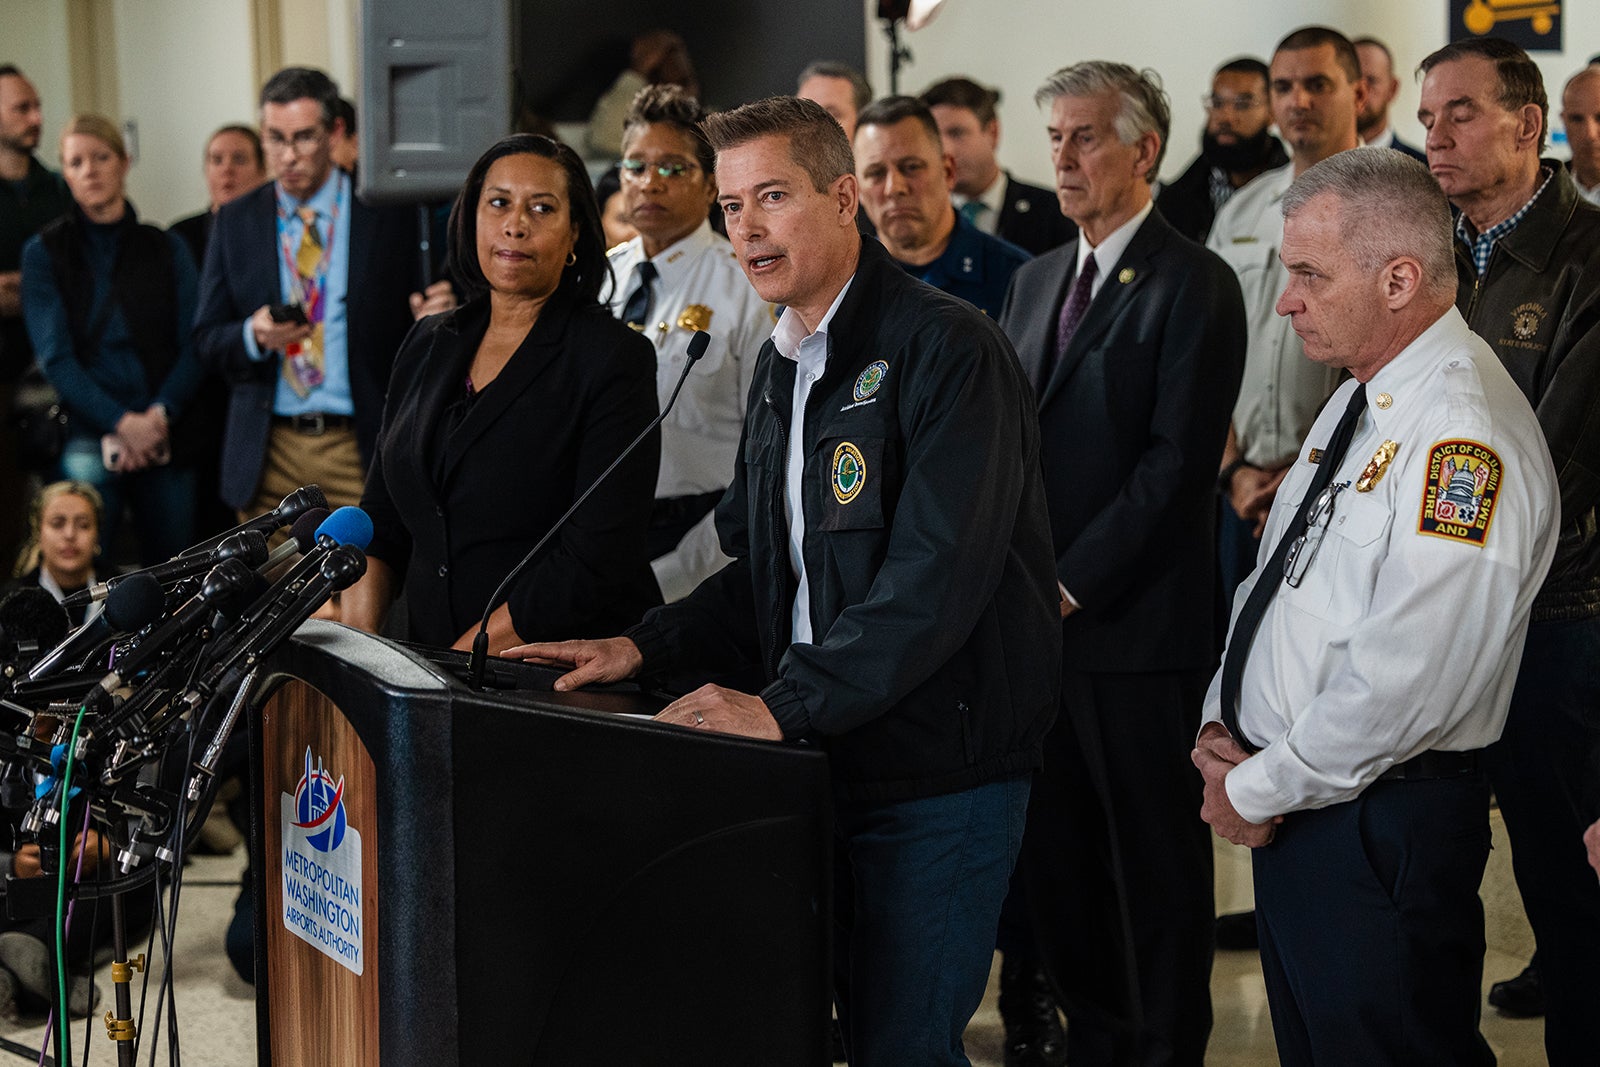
pixel 479 659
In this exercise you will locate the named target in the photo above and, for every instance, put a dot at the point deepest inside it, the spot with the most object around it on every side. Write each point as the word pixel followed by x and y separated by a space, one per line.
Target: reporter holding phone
pixel 109 304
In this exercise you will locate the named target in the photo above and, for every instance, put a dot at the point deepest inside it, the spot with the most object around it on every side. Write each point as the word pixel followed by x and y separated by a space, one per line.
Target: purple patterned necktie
pixel 1072 312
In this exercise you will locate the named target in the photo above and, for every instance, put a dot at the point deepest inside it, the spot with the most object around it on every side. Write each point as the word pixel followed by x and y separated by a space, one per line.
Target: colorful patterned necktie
pixel 302 363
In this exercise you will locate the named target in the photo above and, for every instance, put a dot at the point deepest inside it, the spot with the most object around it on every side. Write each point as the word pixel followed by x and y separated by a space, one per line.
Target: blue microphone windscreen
pixel 348 526
pixel 134 603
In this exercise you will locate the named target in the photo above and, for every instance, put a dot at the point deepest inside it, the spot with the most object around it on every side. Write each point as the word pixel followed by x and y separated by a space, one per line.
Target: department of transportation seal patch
pixel 868 381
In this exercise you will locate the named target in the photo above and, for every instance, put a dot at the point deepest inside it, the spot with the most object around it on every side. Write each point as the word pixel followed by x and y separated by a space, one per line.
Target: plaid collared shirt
pixel 1482 244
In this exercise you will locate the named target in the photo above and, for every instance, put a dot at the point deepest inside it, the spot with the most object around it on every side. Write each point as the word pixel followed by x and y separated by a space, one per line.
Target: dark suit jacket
pixel 1410 150
pixel 1031 218
pixel 241 274
pixel 579 388
pixel 1132 422
pixel 1186 200
pixel 195 231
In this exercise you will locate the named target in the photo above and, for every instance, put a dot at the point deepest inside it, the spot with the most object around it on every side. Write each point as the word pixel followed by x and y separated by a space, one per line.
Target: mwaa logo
pixel 319 806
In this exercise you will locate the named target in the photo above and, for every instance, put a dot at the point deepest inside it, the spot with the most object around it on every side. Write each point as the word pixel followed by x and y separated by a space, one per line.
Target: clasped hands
pixel 616 659
pixel 143 437
pixel 1252 492
pixel 1215 754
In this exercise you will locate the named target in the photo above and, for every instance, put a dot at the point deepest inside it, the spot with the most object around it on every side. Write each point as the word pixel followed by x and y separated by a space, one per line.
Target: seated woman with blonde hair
pixel 63 543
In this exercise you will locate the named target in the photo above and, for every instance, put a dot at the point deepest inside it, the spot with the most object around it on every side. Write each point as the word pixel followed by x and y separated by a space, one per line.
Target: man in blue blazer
pixel 306 385
pixel 1134 338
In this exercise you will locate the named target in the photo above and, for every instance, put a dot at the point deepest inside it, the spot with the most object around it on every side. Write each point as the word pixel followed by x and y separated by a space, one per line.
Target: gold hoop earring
pixel 572 257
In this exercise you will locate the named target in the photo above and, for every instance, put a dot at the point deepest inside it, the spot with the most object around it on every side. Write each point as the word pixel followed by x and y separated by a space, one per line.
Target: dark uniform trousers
pixel 1371 927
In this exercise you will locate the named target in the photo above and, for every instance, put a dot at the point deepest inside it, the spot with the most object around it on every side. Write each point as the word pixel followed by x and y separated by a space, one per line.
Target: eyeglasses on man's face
pixel 642 170
pixel 1239 105
pixel 301 142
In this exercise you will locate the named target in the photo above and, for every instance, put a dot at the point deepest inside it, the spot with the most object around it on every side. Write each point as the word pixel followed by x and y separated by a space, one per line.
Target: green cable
pixel 63 1037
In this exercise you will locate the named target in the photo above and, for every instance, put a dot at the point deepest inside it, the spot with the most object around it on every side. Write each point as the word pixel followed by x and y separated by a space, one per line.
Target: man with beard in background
pixel 1235 147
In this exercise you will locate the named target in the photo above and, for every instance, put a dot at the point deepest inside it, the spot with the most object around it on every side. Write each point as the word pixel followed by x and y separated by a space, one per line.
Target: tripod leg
pixel 119 1024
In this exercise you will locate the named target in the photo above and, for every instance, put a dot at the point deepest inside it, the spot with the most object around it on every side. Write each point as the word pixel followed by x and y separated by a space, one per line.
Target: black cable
pixel 144 982
pixel 94 929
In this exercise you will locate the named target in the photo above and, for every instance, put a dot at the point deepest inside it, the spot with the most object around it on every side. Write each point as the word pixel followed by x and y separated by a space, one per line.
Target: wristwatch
pixel 1225 476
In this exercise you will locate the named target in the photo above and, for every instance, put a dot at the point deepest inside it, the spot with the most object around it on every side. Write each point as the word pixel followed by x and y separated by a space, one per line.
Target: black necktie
pixel 1072 311
pixel 636 312
pixel 1255 606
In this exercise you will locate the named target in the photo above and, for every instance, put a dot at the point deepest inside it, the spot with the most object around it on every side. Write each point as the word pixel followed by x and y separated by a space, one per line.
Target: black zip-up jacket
pixel 1538 306
pixel 927 547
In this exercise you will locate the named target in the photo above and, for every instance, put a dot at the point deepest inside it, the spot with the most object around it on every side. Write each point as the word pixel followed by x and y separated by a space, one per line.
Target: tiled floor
pixel 216 1012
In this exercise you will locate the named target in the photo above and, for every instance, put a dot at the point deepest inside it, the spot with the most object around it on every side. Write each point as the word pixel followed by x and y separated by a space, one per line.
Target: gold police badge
pixel 694 318
pixel 1373 471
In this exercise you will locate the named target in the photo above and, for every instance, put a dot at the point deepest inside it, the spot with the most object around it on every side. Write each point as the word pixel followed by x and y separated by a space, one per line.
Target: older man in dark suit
pixel 307 387
pixel 1134 337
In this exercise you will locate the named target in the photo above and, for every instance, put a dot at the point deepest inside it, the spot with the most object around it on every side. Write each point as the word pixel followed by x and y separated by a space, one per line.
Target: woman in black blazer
pixel 501 412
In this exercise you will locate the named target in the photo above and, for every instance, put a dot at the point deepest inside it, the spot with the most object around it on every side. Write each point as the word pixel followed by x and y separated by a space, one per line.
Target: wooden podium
pixel 444 876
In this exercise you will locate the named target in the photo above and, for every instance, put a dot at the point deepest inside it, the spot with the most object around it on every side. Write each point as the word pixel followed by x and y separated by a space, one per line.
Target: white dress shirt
pixel 993 200
pixel 699 284
pixel 1282 390
pixel 810 354
pixel 1396 640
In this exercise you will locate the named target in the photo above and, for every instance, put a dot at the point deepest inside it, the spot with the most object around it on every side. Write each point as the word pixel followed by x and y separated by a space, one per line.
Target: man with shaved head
pixel 1580 117
pixel 1344 733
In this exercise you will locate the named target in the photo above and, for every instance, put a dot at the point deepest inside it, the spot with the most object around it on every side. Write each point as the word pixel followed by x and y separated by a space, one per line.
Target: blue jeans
pixel 161 498
pixel 917 893
pixel 1542 769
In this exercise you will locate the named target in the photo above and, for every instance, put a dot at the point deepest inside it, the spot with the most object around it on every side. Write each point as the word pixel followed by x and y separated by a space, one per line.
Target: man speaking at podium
pixel 892 578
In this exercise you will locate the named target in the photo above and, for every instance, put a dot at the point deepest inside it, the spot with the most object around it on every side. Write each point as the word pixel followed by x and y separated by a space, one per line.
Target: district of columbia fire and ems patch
pixel 1459 497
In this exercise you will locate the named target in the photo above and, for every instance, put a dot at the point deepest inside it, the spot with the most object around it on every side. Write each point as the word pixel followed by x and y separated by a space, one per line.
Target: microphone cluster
pixel 158 676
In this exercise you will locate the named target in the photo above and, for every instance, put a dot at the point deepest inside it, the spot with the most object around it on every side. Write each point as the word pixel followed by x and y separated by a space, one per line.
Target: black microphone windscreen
pixel 304 530
pixel 698 343
pixel 134 603
pixel 301 501
pixel 32 614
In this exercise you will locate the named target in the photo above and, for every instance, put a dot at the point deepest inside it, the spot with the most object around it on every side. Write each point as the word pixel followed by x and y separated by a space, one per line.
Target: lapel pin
pixel 1384 400
pixel 1125 275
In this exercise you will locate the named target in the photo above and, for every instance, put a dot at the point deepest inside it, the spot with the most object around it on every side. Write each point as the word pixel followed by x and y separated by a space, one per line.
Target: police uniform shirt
pixel 1282 390
pixel 700 286
pixel 1406 627
pixel 974 266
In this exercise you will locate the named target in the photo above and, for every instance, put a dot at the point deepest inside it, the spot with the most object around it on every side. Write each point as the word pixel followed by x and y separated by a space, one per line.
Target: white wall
pixel 35 39
pixel 185 66
pixel 183 69
pixel 1016 44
